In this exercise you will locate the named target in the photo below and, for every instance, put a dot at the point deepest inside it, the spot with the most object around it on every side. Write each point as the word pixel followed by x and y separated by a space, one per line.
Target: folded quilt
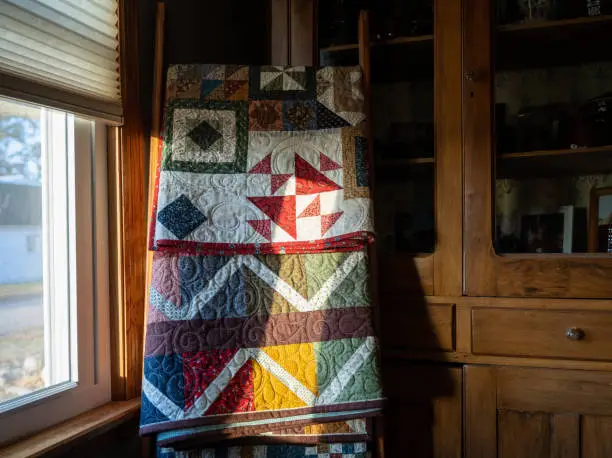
pixel 262 160
pixel 349 431
pixel 338 450
pixel 249 344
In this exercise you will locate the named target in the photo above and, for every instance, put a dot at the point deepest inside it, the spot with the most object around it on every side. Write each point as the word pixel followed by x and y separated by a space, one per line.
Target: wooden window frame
pixel 128 217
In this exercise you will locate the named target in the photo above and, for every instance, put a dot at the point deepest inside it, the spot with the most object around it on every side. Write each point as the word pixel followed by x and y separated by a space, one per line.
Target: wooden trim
pixel 155 139
pixel 127 184
pixel 448 257
pixel 593 215
pixel 280 50
pixel 302 32
pixel 94 421
pixel 480 275
pixel 480 411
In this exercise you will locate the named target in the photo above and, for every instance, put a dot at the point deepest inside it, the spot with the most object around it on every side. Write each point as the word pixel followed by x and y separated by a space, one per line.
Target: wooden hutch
pixel 492 125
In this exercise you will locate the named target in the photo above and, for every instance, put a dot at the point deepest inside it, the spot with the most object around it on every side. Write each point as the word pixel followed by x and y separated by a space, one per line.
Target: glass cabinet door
pixel 553 127
pixel 550 117
pixel 402 44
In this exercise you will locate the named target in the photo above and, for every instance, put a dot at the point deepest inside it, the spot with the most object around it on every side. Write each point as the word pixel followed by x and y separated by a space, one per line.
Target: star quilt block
pixel 263 159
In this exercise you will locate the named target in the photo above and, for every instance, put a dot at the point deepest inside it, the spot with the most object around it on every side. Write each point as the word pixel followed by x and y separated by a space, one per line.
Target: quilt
pixel 262 159
pixel 251 344
pixel 337 450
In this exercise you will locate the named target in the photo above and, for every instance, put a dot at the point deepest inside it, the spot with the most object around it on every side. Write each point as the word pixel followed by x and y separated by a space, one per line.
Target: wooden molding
pixel 128 218
pixel 280 19
pixel 51 439
pixel 448 257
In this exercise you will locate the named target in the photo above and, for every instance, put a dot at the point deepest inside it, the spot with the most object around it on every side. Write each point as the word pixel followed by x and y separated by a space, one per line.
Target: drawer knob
pixel 574 334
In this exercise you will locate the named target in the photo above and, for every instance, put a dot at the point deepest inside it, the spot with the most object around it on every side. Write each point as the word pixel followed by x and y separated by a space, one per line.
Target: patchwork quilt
pixel 263 159
pixel 339 450
pixel 247 345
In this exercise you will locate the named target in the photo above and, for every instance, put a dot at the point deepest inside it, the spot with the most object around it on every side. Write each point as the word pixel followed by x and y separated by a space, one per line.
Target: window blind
pixel 62 53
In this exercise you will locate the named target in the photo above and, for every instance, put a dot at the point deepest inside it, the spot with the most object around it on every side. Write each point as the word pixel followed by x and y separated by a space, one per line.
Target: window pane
pixel 553 118
pixel 34 238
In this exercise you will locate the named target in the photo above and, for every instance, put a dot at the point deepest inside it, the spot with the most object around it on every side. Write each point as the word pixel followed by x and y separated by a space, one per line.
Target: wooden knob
pixel 574 334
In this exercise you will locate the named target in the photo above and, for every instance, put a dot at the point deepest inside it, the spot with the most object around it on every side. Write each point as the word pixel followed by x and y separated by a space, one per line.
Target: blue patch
pixel 327 119
pixel 165 372
pixel 208 86
pixel 286 451
pixel 149 413
pixel 196 272
pixel 181 217
pixel 299 115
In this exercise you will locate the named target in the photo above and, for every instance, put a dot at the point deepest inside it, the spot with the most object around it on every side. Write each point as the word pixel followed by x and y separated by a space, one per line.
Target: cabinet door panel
pixel 541 413
pixel 596 437
pixel 537 149
pixel 523 434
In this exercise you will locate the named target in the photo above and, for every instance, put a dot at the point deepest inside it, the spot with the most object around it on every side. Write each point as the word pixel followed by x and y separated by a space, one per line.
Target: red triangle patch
pixel 238 396
pixel 327 221
pixel 313 209
pixel 279 180
pixel 263 227
pixel 280 209
pixel 200 369
pixel 264 166
pixel 327 163
pixel 308 180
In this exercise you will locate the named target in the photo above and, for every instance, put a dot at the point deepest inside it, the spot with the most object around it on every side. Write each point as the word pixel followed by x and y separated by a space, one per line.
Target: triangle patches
pixel 327 221
pixel 277 181
pixel 280 209
pixel 309 180
pixel 262 227
pixel 264 166
pixel 313 208
pixel 327 164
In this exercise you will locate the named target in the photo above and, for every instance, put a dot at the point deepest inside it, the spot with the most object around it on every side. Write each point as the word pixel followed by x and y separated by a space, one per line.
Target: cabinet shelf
pixel 410 161
pixel 554 43
pixel 389 42
pixel 575 23
pixel 555 162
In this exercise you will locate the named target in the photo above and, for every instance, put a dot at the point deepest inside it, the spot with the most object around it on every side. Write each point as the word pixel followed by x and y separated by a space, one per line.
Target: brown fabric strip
pixel 177 337
pixel 190 440
pixel 288 413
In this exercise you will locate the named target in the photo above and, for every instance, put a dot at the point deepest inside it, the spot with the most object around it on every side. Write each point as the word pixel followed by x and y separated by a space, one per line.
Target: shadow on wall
pixel 424 402
pixel 203 31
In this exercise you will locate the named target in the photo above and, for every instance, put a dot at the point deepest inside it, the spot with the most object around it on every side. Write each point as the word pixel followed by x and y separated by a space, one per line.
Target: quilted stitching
pixel 247 148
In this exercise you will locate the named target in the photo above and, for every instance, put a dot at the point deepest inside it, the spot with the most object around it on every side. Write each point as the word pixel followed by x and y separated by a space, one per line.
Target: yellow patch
pixel 291 270
pixel 270 393
pixel 299 361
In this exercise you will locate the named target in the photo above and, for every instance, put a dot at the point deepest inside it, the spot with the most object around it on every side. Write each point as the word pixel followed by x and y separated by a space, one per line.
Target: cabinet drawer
pixel 415 325
pixel 542 333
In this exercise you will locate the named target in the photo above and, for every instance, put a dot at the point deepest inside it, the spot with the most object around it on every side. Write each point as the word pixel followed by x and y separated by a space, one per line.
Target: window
pixel 54 323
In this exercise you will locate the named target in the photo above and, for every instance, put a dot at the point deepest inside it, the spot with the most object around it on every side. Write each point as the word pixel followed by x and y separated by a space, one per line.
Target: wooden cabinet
pixel 556 71
pixel 513 412
pixel 511 296
pixel 423 418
